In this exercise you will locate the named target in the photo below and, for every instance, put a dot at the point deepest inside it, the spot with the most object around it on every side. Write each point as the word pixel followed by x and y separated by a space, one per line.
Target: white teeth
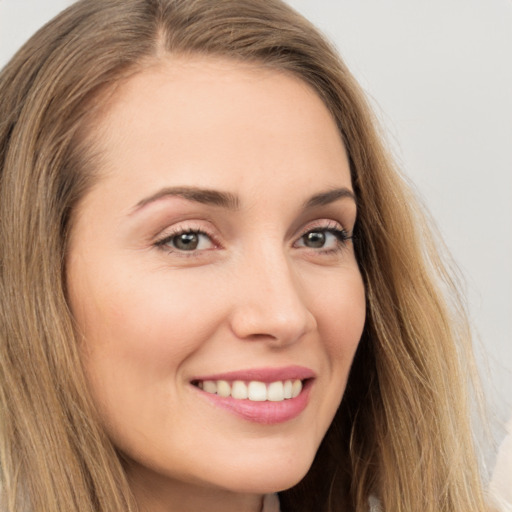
pixel 275 392
pixel 254 390
pixel 239 390
pixel 257 391
pixel 296 388
pixel 288 389
pixel 209 386
pixel 223 388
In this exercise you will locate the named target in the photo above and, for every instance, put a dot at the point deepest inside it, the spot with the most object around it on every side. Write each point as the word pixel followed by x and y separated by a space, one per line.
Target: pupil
pixel 187 241
pixel 315 239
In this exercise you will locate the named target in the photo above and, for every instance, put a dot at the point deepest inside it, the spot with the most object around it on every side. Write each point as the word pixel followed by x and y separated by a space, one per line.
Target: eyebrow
pixel 198 195
pixel 325 198
pixel 231 202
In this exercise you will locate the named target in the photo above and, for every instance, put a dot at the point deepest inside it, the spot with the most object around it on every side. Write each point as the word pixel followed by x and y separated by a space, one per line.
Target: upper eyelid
pixel 170 232
pixel 322 223
pixel 193 226
pixel 325 224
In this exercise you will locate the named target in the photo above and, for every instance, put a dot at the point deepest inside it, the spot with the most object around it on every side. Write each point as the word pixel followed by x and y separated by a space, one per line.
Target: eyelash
pixel 342 237
pixel 168 238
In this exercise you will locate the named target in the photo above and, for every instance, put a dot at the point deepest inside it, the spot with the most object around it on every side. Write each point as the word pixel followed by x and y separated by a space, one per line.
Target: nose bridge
pixel 270 302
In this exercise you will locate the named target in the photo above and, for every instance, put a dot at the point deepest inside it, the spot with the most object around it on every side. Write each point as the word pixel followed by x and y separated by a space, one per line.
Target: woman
pixel 187 292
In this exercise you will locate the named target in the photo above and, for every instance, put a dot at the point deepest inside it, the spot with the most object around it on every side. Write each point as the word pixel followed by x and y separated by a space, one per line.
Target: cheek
pixel 341 311
pixel 137 332
pixel 147 323
pixel 341 315
pixel 138 337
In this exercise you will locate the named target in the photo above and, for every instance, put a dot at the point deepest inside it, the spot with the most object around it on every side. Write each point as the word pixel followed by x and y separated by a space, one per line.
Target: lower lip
pixel 265 413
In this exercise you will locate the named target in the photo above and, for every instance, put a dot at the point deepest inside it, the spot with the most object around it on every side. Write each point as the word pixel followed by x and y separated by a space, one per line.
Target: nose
pixel 270 303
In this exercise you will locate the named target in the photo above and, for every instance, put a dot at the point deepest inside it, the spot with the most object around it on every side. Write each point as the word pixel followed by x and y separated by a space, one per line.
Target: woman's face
pixel 213 258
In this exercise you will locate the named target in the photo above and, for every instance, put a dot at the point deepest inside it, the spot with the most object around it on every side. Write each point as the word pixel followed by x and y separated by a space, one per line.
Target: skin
pixel 253 294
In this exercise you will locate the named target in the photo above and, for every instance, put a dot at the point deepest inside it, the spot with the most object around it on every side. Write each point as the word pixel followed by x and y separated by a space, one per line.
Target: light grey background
pixel 439 74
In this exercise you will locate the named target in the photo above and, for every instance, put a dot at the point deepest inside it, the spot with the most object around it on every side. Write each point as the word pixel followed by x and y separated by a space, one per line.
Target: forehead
pixel 219 123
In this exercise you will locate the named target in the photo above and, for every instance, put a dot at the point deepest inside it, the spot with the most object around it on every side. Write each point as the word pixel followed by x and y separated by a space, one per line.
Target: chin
pixel 270 476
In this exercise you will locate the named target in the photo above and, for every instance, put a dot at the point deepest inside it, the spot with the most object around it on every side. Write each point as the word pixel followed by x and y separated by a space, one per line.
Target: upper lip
pixel 262 374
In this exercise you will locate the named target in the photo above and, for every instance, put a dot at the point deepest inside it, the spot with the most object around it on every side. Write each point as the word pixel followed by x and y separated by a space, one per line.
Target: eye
pixel 187 241
pixel 324 238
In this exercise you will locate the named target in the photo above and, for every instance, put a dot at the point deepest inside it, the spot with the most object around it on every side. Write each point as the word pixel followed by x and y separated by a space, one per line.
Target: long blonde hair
pixel 402 432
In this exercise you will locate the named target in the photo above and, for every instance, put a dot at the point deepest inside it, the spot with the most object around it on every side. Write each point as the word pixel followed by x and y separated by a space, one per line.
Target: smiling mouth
pixel 255 391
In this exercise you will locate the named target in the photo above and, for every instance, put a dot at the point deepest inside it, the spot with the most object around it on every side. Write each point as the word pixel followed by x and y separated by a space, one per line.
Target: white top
pixel 500 488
